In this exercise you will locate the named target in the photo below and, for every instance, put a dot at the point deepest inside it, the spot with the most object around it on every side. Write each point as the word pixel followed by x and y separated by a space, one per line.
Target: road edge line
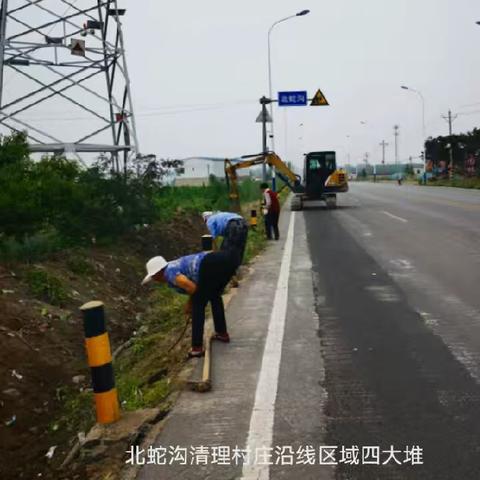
pixel 260 433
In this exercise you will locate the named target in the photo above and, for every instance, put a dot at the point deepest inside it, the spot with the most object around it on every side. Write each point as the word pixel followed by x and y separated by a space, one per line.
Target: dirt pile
pixel 42 358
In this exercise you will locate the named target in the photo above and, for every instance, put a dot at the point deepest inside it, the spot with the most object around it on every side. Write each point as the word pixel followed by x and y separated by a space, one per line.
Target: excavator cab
pixel 322 180
pixel 317 169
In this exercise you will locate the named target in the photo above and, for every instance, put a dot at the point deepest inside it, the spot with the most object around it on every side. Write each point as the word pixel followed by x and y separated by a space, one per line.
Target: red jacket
pixel 271 201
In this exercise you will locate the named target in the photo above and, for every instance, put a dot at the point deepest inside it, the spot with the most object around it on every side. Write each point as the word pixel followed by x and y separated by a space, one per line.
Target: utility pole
pixel 450 118
pixel 384 144
pixel 396 134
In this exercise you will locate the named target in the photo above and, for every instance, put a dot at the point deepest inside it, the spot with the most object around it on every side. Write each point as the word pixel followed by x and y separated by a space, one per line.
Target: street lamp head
pixel 478 23
pixel 302 13
pixel 404 87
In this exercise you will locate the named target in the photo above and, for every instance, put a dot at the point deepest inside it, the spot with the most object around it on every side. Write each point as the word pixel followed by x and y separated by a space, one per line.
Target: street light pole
pixel 270 89
pixel 423 122
pixel 384 144
pixel 396 134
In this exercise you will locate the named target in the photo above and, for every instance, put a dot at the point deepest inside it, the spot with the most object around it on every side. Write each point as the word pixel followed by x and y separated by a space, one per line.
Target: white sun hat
pixel 154 265
pixel 206 215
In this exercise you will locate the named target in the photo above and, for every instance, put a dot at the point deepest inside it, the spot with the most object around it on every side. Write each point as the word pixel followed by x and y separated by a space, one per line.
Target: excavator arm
pixel 272 159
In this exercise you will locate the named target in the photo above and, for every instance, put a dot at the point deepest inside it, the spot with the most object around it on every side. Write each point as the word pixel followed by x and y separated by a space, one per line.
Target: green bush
pixel 197 199
pixel 58 194
pixel 46 287
pixel 56 203
pixel 79 265
pixel 31 248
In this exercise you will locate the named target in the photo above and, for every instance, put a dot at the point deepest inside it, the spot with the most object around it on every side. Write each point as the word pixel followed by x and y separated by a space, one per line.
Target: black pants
pixel 235 239
pixel 271 223
pixel 216 270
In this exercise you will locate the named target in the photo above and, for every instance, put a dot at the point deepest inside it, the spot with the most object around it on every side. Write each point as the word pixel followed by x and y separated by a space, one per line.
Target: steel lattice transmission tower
pixel 64 76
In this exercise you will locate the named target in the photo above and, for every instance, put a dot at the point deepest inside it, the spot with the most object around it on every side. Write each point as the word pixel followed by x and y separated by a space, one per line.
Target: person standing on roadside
pixel 234 230
pixel 271 210
pixel 203 276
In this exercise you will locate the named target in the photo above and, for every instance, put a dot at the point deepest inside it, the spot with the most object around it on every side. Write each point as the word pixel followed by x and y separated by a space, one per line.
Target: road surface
pixel 358 331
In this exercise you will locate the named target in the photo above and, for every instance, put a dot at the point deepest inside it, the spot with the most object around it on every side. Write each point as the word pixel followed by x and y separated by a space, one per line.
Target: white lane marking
pixel 402 264
pixel 260 433
pixel 394 216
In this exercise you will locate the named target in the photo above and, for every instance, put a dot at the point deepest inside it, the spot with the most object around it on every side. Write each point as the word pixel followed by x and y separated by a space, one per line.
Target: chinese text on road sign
pixel 292 99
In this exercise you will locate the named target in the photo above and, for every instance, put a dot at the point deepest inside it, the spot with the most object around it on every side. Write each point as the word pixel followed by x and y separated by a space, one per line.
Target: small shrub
pixel 129 392
pixel 46 286
pixel 80 266
pixel 31 248
pixel 156 393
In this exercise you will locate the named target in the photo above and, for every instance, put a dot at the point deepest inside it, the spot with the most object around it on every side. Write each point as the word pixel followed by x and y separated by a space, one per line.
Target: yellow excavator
pixel 322 180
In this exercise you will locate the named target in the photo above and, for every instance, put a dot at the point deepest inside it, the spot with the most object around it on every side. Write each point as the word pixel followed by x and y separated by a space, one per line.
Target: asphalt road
pixel 359 331
pixel 397 288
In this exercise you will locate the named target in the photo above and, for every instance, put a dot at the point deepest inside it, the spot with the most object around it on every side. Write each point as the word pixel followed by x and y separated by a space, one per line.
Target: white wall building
pixel 197 170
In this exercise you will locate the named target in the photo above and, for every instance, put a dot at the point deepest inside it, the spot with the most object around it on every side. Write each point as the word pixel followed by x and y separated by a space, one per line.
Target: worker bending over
pixel 203 276
pixel 271 211
pixel 234 230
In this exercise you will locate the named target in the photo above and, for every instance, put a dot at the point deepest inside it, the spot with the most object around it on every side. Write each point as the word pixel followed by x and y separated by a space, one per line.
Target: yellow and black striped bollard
pixel 253 218
pixel 100 362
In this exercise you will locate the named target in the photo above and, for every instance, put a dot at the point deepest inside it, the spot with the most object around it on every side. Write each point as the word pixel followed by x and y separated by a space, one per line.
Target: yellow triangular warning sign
pixel 77 47
pixel 319 99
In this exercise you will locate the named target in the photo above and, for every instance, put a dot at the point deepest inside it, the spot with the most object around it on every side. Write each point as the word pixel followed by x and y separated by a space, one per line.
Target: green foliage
pixel 409 169
pixel 46 286
pixel 256 242
pixel 457 182
pixel 56 203
pixel 79 265
pixel 129 392
pixel 157 392
pixel 58 195
pixel 440 150
pixel 13 149
pixel 78 413
pixel 198 199
pixel 134 395
pixel 31 249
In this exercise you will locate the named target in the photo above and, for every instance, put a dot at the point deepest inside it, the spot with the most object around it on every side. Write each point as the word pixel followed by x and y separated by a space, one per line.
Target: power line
pixel 141 113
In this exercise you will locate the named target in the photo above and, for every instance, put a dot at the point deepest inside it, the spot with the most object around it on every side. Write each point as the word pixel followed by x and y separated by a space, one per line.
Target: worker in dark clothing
pixel 234 230
pixel 271 210
pixel 203 276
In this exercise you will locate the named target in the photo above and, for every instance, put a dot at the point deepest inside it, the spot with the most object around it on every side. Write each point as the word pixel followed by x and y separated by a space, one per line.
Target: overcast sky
pixel 198 69
pixel 209 59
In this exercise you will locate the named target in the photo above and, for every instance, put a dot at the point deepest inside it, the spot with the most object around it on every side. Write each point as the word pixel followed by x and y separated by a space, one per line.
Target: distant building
pixel 197 171
pixel 385 170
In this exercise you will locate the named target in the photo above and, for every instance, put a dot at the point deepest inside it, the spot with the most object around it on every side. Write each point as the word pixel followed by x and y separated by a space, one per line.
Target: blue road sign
pixel 292 99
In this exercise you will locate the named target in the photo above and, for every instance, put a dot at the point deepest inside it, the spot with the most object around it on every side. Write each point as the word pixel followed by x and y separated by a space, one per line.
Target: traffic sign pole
pixel 264 101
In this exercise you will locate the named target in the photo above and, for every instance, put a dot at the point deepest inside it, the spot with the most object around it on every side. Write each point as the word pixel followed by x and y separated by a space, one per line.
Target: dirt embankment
pixel 42 358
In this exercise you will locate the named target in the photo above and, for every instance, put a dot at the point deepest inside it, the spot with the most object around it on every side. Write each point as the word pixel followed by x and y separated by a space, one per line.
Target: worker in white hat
pixel 203 276
pixel 234 230
pixel 154 267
